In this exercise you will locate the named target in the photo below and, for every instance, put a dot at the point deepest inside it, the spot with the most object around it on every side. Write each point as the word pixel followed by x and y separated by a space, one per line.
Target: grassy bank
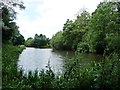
pixel 102 75
pixel 10 56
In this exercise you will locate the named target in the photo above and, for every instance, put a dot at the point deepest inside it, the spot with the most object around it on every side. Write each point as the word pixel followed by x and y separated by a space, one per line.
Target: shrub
pixel 83 47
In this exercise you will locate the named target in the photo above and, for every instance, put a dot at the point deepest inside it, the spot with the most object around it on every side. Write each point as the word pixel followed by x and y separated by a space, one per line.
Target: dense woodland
pixel 97 33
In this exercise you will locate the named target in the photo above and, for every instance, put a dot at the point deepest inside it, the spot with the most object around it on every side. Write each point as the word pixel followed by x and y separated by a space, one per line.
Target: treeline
pixel 97 33
pixel 39 41
pixel 10 32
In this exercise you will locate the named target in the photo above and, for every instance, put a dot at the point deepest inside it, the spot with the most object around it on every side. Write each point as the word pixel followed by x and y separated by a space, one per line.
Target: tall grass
pixel 10 56
pixel 94 75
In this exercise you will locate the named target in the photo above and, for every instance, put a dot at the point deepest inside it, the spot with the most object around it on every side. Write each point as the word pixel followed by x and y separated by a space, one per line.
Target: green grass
pixel 94 75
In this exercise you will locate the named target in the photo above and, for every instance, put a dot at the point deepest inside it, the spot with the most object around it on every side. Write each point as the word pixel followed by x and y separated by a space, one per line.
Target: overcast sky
pixel 48 16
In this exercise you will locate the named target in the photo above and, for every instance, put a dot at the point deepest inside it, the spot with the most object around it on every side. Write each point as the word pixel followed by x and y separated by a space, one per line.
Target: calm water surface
pixel 35 58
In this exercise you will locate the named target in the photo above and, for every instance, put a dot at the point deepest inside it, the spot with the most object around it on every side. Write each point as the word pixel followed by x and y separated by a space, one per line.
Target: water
pixel 35 58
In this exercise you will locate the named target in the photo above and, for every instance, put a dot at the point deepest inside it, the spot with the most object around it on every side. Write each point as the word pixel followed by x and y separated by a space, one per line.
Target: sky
pixel 48 16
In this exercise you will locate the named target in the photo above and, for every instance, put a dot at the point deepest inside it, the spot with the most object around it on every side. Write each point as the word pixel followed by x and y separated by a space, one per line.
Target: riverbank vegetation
pixel 39 41
pixel 96 33
pixel 94 75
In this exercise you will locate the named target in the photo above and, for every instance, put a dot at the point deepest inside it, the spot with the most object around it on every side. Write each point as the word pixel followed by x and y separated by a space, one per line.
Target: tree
pixel 29 42
pixel 73 31
pixel 98 33
pixel 103 23
pixel 10 4
pixel 9 26
pixel 8 15
pixel 57 41
pixel 40 40
pixel 18 39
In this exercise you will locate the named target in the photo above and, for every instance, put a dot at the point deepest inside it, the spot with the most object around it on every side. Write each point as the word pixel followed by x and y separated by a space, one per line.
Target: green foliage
pixel 95 75
pixel 29 42
pixel 113 44
pixel 18 39
pixel 72 34
pixel 10 56
pixel 98 23
pixel 21 46
pixel 12 77
pixel 83 47
pixel 10 28
pixel 73 31
pixel 56 41
pixel 39 41
pixel 98 33
pixel 103 24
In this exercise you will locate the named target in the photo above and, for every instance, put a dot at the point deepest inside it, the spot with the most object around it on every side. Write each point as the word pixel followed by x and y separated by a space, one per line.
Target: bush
pixel 83 47
pixel 113 44
pixel 94 75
